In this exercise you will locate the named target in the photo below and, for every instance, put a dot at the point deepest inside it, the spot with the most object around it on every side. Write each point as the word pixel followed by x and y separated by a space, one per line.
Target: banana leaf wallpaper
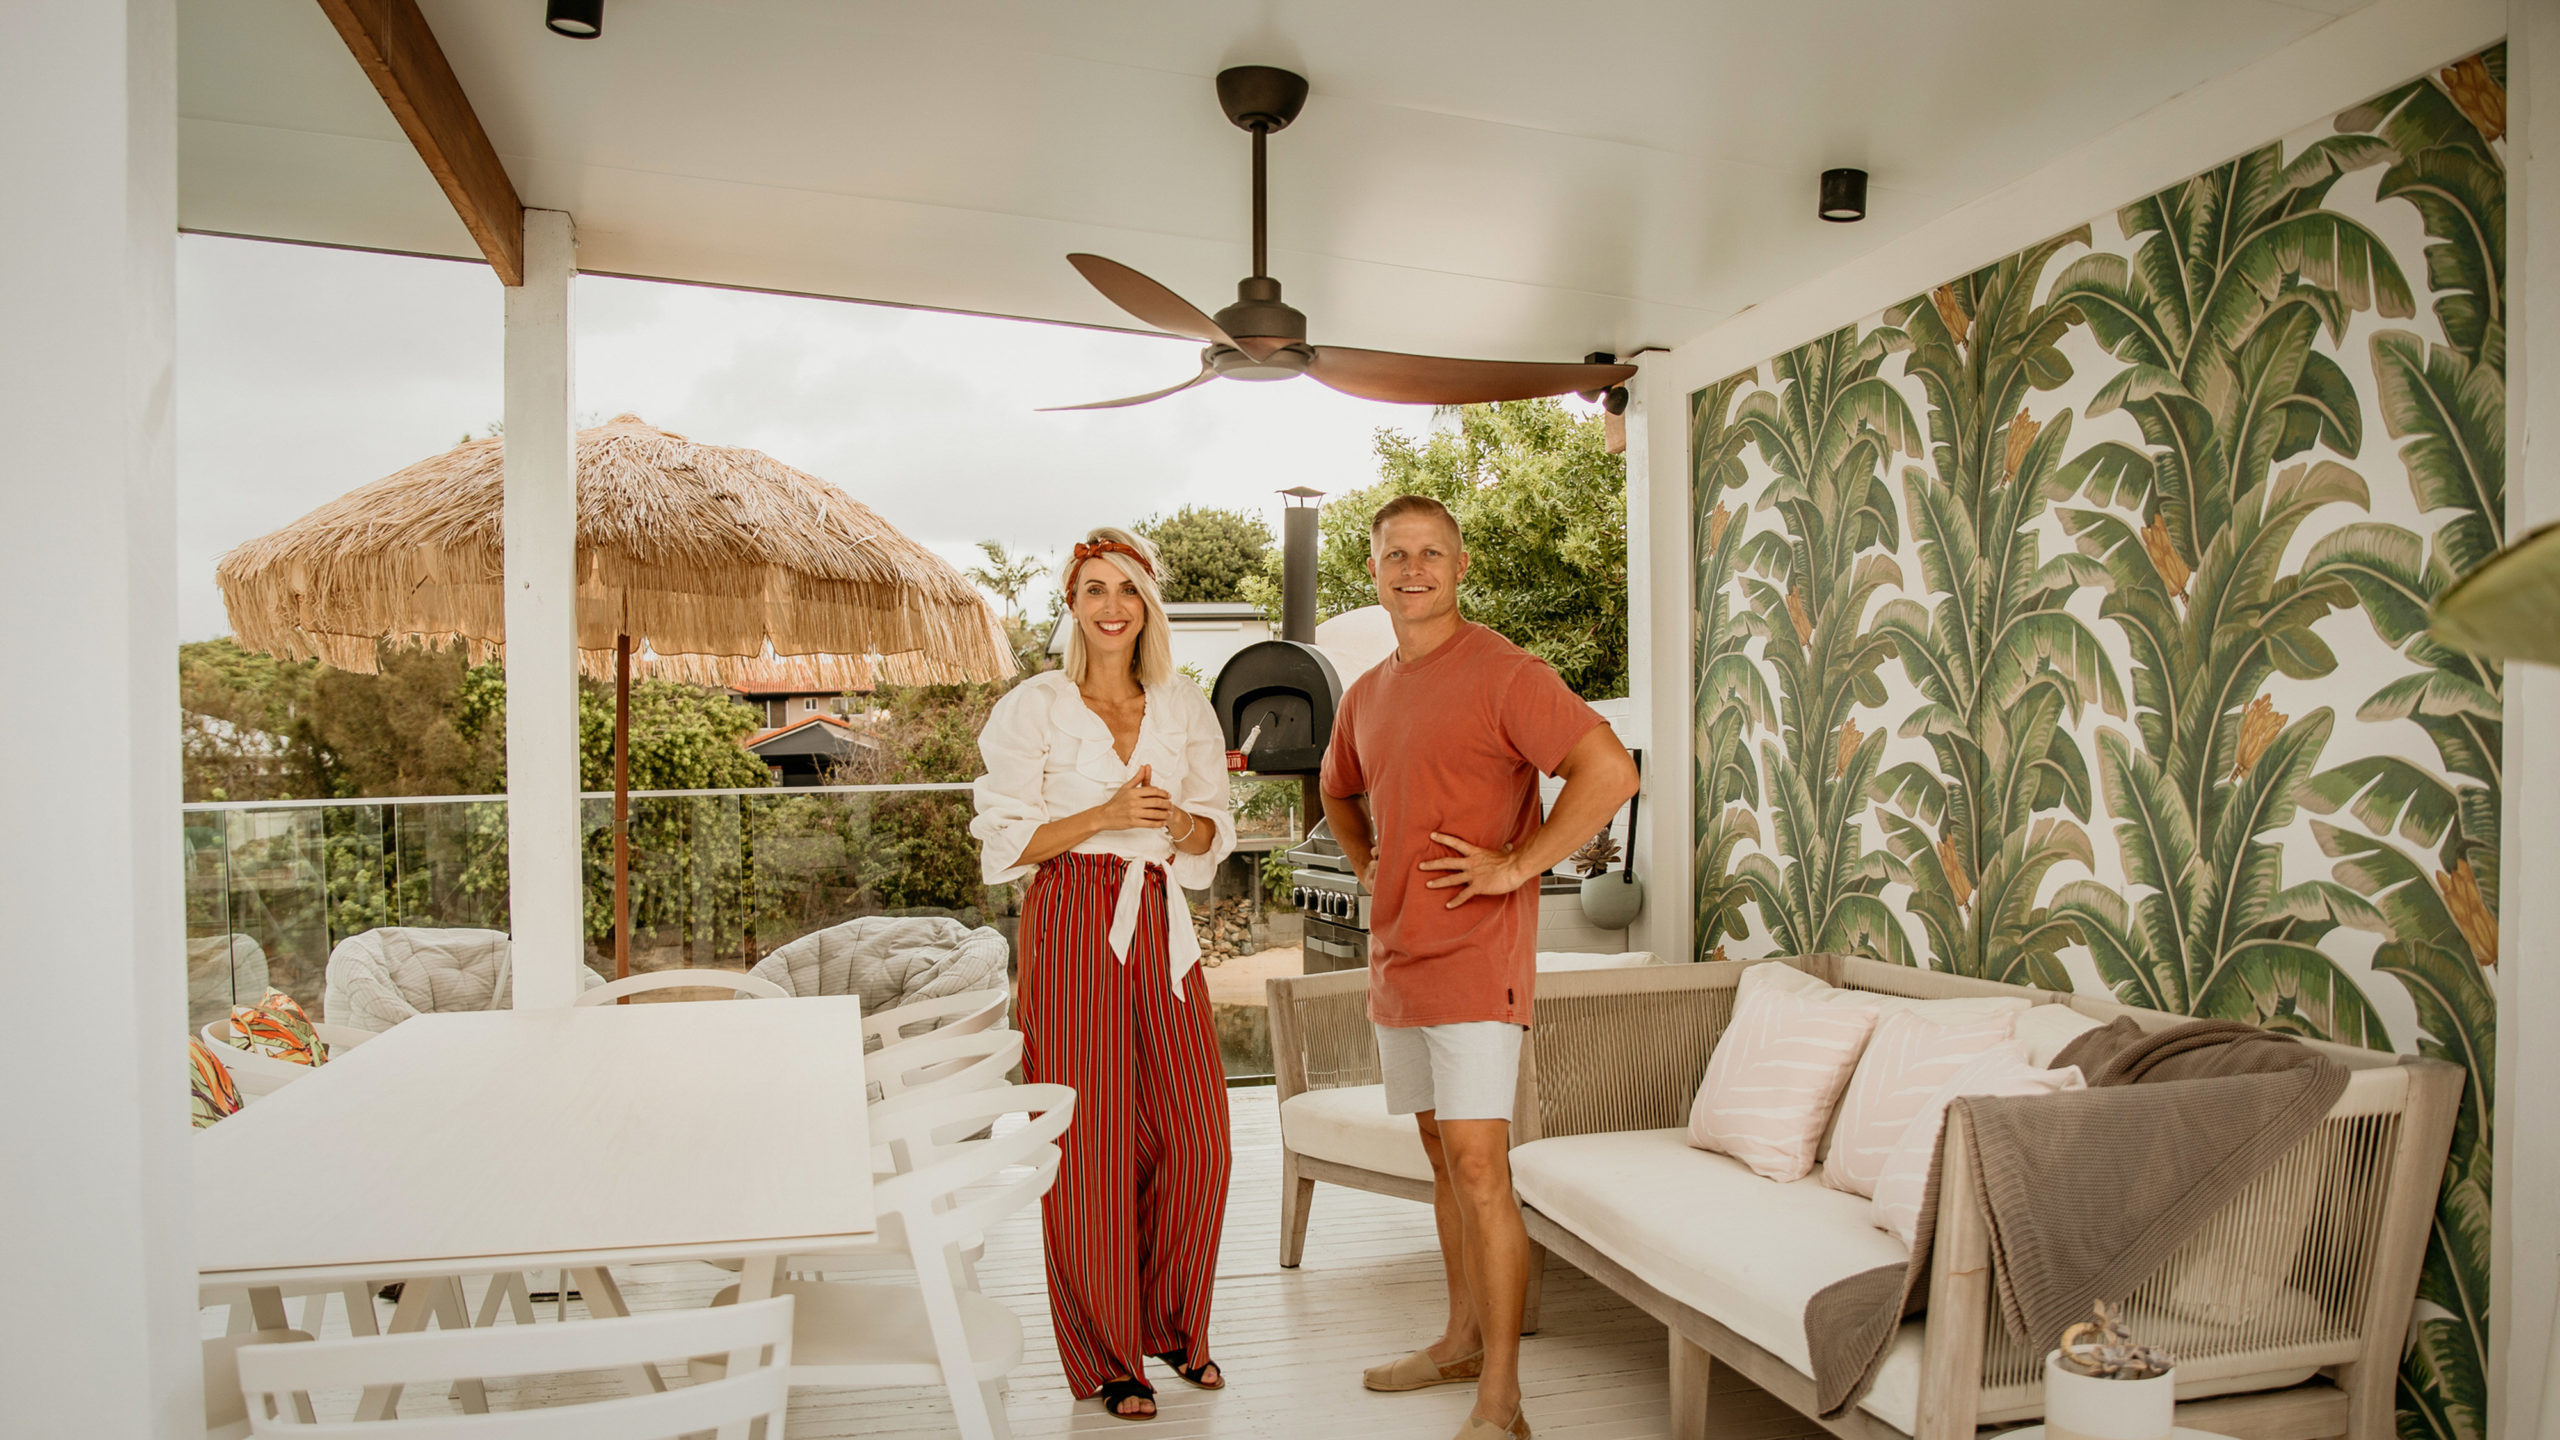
pixel 2065 624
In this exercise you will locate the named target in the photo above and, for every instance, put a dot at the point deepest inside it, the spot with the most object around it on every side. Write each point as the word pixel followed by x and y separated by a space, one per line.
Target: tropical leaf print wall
pixel 2065 624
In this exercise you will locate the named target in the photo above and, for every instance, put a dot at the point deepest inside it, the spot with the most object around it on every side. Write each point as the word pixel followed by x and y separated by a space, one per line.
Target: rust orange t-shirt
pixel 1453 742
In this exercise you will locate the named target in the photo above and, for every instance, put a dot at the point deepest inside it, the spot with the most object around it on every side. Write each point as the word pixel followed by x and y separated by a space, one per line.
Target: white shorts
pixel 1466 1071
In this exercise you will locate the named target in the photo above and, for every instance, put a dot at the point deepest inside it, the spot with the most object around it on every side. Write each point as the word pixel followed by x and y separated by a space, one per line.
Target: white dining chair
pixel 226 1412
pixel 241 1320
pixel 968 1011
pixel 258 1074
pixel 747 986
pixel 941 1331
pixel 756 1338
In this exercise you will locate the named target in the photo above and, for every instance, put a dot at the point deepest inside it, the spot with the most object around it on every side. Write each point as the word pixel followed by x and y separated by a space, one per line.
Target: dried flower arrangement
pixel 1595 857
pixel 2101 1349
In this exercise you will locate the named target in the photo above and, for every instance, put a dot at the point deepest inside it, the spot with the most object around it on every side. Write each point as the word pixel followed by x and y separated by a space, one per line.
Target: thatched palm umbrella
pixel 710 556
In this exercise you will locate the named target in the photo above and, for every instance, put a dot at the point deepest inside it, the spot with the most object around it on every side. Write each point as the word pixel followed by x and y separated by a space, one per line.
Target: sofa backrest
pixel 1625 1049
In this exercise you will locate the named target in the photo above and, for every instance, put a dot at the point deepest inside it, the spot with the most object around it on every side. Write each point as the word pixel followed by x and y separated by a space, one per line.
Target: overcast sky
pixel 303 373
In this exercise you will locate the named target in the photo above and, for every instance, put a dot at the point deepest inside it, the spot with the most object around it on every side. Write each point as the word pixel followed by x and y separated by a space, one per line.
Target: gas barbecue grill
pixel 1335 909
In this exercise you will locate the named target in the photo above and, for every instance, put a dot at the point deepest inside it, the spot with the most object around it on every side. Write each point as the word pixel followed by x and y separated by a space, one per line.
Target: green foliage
pixel 1827 431
pixel 1544 509
pixel 246 728
pixel 1207 553
pixel 2427 850
pixel 2002 663
pixel 1732 697
pixel 683 737
pixel 2234 275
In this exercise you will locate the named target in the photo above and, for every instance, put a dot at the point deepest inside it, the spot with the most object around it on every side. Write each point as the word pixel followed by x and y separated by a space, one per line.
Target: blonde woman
pixel 1107 784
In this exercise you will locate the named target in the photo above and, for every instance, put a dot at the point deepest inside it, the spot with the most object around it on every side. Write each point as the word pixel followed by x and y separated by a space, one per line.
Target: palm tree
pixel 1732 696
pixel 1006 576
pixel 1827 431
pixel 2234 273
pixel 1999 659
pixel 2447 405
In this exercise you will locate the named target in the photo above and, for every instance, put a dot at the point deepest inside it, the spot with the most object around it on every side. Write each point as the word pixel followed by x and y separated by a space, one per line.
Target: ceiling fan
pixel 1260 338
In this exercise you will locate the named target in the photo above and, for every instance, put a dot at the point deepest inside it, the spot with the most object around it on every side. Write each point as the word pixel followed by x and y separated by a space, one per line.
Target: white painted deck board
pixel 1293 1341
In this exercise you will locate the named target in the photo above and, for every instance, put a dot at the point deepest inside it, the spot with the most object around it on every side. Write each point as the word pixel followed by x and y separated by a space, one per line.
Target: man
pixel 1445 739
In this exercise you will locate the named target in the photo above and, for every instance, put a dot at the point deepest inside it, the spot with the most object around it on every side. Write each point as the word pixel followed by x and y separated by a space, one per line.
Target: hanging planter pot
pixel 1612 899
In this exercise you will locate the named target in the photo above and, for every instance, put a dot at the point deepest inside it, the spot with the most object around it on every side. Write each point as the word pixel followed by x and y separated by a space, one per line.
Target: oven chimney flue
pixel 1298 565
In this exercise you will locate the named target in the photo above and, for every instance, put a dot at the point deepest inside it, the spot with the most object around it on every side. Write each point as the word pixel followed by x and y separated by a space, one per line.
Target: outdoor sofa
pixel 2306 1347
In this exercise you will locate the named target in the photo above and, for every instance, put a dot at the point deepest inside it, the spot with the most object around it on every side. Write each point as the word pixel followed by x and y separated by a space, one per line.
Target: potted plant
pixel 2102 1385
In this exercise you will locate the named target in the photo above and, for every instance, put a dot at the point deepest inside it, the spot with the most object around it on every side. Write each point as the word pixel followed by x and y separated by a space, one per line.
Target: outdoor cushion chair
pixel 223 971
pixel 381 977
pixel 890 960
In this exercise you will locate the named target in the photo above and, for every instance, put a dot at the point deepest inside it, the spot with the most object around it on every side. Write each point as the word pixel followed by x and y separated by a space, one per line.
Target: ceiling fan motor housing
pixel 1258 314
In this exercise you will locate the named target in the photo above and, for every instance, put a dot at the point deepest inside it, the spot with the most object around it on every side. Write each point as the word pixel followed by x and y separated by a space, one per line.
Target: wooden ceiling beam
pixel 391 40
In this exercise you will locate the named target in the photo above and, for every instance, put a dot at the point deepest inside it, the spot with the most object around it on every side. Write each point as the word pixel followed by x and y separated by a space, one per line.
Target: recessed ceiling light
pixel 1844 195
pixel 577 19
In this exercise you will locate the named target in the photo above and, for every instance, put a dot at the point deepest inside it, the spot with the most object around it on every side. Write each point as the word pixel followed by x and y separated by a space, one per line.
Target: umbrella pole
pixel 621 806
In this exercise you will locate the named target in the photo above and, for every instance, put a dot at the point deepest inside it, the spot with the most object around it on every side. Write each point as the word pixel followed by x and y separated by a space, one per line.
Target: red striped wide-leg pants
pixel 1131 1228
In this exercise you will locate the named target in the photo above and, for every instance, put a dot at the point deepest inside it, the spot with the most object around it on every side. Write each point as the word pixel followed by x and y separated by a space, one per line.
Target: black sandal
pixel 1116 1393
pixel 1173 1360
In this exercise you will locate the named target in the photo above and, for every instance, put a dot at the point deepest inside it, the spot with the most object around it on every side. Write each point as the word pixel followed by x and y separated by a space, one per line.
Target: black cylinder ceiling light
pixel 1844 195
pixel 577 19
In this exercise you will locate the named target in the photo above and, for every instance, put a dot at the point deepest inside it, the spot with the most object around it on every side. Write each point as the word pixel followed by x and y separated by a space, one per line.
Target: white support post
pixel 1657 668
pixel 98 1337
pixel 545 903
pixel 2525 1208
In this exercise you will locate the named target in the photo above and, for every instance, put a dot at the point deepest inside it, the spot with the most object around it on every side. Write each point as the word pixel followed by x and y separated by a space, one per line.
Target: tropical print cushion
pixel 278 1028
pixel 209 1084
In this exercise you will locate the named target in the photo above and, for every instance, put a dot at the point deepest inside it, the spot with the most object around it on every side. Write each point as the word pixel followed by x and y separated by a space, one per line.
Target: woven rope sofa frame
pixel 1625 1050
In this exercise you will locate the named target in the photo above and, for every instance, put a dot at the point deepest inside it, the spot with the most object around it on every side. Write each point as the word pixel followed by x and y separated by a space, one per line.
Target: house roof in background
pixel 1512 182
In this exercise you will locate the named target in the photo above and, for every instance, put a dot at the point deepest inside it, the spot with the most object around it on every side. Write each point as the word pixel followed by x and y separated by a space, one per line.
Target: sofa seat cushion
pixel 1702 1229
pixel 1350 1126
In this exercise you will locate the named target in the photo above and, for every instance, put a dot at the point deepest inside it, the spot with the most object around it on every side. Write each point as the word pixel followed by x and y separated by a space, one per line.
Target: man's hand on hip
pixel 1475 870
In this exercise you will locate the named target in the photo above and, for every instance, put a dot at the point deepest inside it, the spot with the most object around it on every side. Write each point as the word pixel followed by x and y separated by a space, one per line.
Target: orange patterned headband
pixel 1086 551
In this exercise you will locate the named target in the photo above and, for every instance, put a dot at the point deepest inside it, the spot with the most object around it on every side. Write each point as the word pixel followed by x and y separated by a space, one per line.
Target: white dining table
pixel 522 1140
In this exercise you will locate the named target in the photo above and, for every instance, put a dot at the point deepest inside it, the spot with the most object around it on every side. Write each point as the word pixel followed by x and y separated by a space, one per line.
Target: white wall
pixel 98 1334
pixel 2335 67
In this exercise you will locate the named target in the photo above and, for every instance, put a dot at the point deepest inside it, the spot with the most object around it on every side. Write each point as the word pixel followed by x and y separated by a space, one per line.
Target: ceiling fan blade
pixel 1147 299
pixel 1437 380
pixel 1206 373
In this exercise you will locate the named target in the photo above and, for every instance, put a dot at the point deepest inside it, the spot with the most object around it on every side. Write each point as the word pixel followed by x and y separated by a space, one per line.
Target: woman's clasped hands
pixel 1137 805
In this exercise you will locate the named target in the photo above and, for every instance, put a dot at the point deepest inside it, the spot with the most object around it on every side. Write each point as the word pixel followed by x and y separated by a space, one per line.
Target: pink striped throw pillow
pixel 1910 1056
pixel 1774 1076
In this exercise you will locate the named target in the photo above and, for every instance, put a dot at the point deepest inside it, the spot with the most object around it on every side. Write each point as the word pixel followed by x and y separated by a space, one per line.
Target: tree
pixel 683 737
pixel 1544 509
pixel 1006 575
pixel 1207 554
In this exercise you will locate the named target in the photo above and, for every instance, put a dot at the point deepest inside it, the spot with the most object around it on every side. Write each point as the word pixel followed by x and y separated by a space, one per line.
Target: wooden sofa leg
pixel 1297 1192
pixel 1536 1288
pixel 1690 1366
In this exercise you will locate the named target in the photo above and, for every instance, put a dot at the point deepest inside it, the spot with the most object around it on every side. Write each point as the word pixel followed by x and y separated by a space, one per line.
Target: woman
pixel 1107 783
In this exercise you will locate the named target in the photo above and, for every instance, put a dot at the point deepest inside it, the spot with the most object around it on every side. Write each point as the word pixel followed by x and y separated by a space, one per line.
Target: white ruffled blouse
pixel 1049 756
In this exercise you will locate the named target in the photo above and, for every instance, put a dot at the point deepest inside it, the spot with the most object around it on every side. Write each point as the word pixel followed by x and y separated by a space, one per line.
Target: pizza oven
pixel 1276 698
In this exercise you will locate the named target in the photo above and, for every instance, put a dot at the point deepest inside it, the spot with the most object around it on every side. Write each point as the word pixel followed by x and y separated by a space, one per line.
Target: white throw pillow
pixel 2047 1028
pixel 1780 975
pixel 2001 1070
pixel 1911 1054
pixel 1776 1073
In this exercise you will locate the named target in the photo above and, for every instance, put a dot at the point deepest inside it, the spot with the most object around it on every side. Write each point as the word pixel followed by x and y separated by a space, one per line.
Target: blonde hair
pixel 1152 663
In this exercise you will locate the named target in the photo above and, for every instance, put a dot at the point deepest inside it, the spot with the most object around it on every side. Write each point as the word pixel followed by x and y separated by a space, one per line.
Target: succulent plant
pixel 1596 855
pixel 2101 1349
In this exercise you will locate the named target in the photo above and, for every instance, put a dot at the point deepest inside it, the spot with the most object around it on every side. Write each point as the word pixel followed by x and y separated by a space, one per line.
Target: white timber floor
pixel 1293 1342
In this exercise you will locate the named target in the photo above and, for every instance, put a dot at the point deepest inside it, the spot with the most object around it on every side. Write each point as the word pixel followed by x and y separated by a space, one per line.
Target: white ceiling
pixel 1472 177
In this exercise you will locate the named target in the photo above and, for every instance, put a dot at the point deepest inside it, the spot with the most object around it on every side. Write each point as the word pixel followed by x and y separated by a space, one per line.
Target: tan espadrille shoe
pixel 1418 1371
pixel 1477 1429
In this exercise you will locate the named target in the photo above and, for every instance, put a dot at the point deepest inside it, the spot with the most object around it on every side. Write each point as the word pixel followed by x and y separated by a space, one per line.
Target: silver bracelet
pixel 1188 831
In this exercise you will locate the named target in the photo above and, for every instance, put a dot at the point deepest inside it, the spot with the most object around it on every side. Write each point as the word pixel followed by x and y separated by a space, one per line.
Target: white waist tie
pixel 1182 946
